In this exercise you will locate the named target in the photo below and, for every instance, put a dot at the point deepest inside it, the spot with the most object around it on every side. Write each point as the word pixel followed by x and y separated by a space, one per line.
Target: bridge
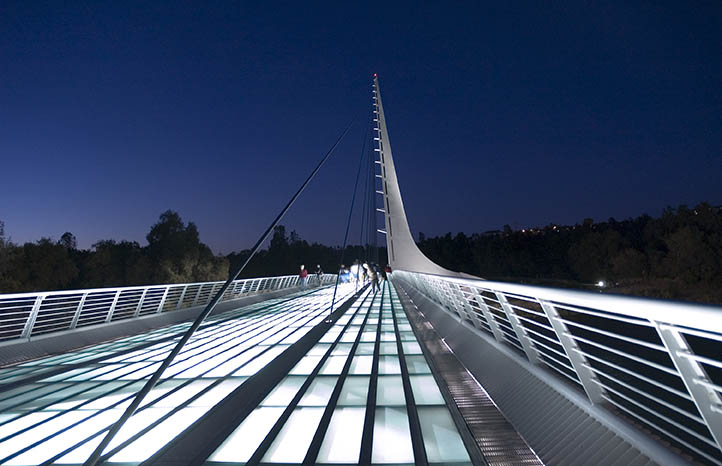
pixel 437 367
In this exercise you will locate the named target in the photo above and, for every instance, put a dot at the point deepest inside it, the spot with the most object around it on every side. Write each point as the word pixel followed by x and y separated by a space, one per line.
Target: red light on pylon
pixel 374 75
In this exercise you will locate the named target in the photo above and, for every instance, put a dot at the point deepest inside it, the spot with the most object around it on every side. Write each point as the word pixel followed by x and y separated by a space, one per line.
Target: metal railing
pixel 658 363
pixel 26 315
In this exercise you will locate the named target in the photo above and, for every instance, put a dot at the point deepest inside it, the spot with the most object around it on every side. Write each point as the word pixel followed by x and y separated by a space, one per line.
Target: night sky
pixel 113 112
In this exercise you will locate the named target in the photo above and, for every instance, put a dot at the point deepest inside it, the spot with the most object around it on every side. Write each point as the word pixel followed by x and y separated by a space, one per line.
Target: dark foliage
pixel 678 255
pixel 174 254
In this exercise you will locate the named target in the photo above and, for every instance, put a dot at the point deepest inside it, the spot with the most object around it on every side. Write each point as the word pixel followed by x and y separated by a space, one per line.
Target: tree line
pixel 677 255
pixel 174 254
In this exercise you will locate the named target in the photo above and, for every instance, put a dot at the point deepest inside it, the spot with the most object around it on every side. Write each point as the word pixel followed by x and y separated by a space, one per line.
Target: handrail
pixel 26 315
pixel 656 362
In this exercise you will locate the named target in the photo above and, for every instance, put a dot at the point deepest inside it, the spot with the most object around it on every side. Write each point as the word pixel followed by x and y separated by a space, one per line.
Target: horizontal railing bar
pixel 655 426
pixel 702 359
pixel 648 395
pixel 530 311
pixel 676 424
pixel 656 310
pixel 556 369
pixel 538 343
pixel 691 331
pixel 656 383
pixel 625 355
pixel 534 322
pixel 615 335
pixel 603 315
pixel 708 384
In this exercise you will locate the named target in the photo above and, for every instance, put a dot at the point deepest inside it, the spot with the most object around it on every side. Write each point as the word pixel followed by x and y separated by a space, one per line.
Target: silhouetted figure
pixel 303 277
pixel 373 276
pixel 319 273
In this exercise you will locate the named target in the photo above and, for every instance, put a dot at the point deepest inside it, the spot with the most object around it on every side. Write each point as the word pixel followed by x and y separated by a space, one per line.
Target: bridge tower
pixel 403 253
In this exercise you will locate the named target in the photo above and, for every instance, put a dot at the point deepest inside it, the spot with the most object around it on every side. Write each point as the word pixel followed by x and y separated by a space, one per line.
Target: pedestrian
pixel 373 276
pixel 356 272
pixel 319 273
pixel 303 277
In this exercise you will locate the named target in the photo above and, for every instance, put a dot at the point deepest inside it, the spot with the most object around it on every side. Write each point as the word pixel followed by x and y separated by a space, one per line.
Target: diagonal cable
pixel 350 211
pixel 95 456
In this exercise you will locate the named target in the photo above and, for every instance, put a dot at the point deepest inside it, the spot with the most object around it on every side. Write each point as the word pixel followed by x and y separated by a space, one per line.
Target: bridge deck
pixel 356 390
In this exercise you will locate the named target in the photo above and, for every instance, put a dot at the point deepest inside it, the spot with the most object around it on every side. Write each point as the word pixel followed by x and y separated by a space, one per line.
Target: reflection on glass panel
pixel 417 365
pixel 365 348
pixel 181 395
pixel 319 349
pixel 411 347
pixel 407 336
pixel 39 432
pixel 319 392
pixel 354 392
pixel 291 444
pixel 426 391
pixel 333 365
pixel 342 443
pixel 342 349
pixel 152 441
pixel 388 348
pixel 392 437
pixel 285 391
pixel 306 365
pixel 389 365
pixel 441 438
pixel 240 445
pixel 390 391
pixel 361 365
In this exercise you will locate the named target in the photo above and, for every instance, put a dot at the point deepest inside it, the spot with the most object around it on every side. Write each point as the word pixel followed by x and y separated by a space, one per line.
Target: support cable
pixel 130 410
pixel 350 213
pixel 364 241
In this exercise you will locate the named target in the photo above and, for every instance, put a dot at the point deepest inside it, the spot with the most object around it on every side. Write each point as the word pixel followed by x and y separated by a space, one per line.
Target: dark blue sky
pixel 526 114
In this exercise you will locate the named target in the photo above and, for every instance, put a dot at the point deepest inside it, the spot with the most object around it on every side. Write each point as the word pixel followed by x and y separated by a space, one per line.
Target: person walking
pixel 319 273
pixel 303 277
pixel 373 276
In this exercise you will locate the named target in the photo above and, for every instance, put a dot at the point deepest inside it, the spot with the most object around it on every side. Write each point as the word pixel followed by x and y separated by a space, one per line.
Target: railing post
pixel 139 307
pixel 462 305
pixel 498 335
pixel 112 307
pixel 580 364
pixel 519 330
pixel 162 300
pixel 28 329
pixel 695 379
pixel 76 316
pixel 180 300
pixel 198 295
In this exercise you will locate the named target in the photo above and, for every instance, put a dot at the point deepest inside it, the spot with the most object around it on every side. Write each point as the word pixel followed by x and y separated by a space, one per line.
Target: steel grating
pixel 498 441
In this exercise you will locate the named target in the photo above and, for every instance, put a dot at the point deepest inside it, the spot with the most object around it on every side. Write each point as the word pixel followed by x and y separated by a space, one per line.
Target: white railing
pixel 657 362
pixel 26 315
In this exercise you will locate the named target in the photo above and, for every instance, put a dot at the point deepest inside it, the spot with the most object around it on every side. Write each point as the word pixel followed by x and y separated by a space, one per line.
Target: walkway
pixel 364 385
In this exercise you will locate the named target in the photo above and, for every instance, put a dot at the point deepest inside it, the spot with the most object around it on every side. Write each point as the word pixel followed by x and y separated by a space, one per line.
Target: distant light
pixel 601 284
pixel 374 75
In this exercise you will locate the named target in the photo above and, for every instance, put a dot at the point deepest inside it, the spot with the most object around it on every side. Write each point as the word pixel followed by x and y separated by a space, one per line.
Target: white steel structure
pixel 27 315
pixel 657 363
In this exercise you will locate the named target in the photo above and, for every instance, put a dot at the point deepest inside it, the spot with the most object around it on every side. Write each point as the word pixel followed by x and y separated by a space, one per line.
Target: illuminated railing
pixel 26 315
pixel 656 362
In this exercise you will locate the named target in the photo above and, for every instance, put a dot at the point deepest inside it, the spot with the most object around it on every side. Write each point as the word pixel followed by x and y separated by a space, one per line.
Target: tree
pixel 177 254
pixel 68 241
